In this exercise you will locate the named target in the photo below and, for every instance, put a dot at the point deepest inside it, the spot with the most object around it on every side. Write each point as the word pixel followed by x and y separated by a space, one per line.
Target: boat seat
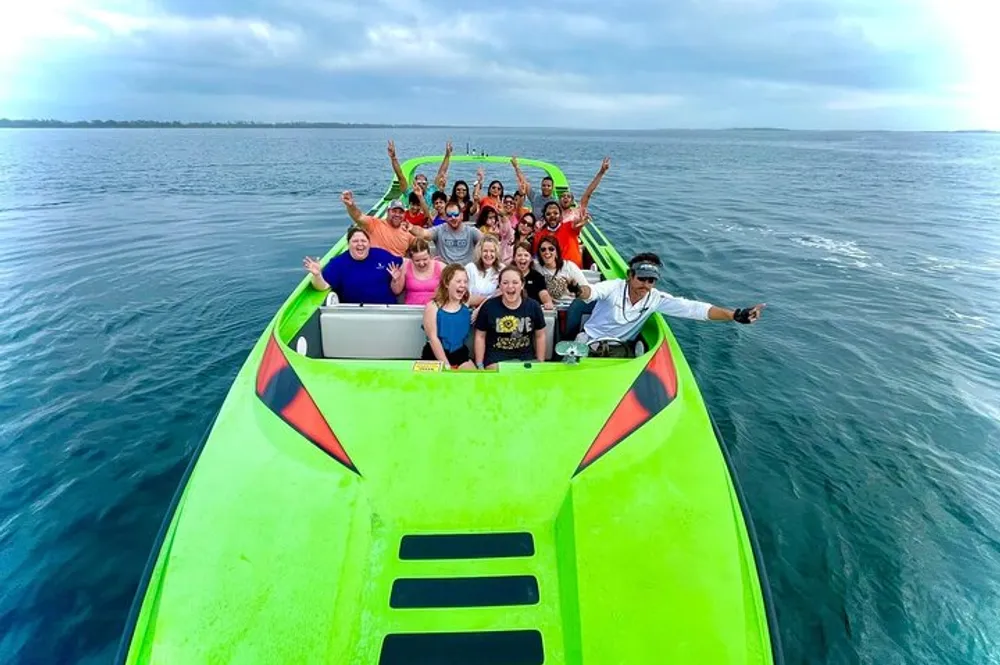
pixel 386 332
pixel 593 276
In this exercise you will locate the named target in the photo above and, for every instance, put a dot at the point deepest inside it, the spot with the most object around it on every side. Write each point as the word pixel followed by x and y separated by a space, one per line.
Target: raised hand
pixel 405 225
pixel 447 148
pixel 312 266
pixel 417 189
pixel 392 149
pixel 396 270
pixel 605 165
pixel 513 161
pixel 481 174
pixel 348 198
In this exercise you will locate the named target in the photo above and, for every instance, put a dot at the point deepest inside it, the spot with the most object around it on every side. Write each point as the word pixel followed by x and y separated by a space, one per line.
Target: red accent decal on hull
pixel 272 362
pixel 303 414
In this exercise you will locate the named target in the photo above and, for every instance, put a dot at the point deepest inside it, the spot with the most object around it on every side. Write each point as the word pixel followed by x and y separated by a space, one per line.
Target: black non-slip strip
pixel 467 546
pixel 514 647
pixel 464 591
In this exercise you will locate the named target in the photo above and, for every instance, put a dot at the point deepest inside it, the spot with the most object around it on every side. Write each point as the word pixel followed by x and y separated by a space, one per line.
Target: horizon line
pixel 42 123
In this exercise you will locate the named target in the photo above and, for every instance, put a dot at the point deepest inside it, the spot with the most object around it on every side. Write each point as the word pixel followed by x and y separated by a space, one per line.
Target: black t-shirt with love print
pixel 510 333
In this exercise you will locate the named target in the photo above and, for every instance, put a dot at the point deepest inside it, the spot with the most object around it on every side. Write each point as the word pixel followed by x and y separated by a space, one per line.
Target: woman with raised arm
pixel 494 193
pixel 510 327
pixel 421 273
pixel 484 272
pixel 362 274
pixel 447 320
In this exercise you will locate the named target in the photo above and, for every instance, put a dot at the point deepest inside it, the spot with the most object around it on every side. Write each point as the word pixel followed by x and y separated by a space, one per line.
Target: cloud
pixel 615 63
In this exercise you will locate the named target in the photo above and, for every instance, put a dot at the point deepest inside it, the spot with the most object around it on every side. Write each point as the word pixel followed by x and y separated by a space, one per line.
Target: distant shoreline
pixel 6 123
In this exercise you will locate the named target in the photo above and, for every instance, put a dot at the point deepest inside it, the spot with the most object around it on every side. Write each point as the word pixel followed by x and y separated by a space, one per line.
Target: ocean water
pixel 138 267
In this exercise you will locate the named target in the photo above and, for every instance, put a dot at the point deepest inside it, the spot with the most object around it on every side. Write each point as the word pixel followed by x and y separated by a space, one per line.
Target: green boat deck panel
pixel 278 553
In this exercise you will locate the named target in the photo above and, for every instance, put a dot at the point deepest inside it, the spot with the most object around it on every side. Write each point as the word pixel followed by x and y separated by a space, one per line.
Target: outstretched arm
pixel 477 189
pixel 692 309
pixel 441 179
pixel 741 315
pixel 358 217
pixel 396 167
pixel 424 208
pixel 592 187
pixel 420 232
pixel 582 219
pixel 523 183
pixel 315 273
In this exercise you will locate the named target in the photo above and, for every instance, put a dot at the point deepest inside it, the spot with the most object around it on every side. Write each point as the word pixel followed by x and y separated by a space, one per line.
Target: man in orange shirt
pixel 566 234
pixel 390 234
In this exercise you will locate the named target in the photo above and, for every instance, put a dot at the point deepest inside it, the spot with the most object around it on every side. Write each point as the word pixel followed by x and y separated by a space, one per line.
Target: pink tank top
pixel 421 291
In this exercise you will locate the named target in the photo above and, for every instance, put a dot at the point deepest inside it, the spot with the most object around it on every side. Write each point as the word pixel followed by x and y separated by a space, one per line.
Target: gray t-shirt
pixel 455 246
pixel 538 202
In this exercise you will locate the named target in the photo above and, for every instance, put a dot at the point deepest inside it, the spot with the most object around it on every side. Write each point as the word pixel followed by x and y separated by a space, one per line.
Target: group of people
pixel 499 261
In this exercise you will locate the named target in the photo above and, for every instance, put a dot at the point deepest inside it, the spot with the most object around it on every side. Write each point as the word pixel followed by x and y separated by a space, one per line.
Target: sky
pixel 616 64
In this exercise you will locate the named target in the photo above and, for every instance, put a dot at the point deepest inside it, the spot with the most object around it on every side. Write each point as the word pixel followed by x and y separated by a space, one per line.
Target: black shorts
pixel 455 358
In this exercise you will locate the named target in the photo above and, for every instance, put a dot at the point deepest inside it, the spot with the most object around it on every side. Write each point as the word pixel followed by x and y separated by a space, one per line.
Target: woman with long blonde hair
pixel 484 272
pixel 448 320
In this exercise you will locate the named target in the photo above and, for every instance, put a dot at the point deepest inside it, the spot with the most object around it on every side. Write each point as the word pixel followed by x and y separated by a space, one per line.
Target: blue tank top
pixel 453 327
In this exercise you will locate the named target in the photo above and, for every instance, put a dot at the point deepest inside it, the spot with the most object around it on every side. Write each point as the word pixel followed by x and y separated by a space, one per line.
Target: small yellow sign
pixel 428 366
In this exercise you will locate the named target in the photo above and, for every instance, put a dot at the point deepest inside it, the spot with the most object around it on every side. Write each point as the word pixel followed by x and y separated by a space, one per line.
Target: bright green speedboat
pixel 351 505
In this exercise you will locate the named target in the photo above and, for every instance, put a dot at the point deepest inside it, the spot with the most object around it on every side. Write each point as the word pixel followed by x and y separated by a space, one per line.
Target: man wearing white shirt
pixel 621 306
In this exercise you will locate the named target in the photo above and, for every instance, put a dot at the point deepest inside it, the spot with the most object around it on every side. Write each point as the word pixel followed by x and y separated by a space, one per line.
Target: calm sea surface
pixel 138 267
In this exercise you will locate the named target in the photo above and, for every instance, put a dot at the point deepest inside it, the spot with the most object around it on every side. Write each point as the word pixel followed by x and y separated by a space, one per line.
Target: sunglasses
pixel 546 249
pixel 453 215
pixel 646 280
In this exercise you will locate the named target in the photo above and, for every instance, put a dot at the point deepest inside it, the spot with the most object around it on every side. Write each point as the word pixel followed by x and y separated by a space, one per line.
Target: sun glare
pixel 27 25
pixel 971 27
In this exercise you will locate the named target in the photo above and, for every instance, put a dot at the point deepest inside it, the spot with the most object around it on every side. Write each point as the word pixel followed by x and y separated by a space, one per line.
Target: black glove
pixel 742 315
